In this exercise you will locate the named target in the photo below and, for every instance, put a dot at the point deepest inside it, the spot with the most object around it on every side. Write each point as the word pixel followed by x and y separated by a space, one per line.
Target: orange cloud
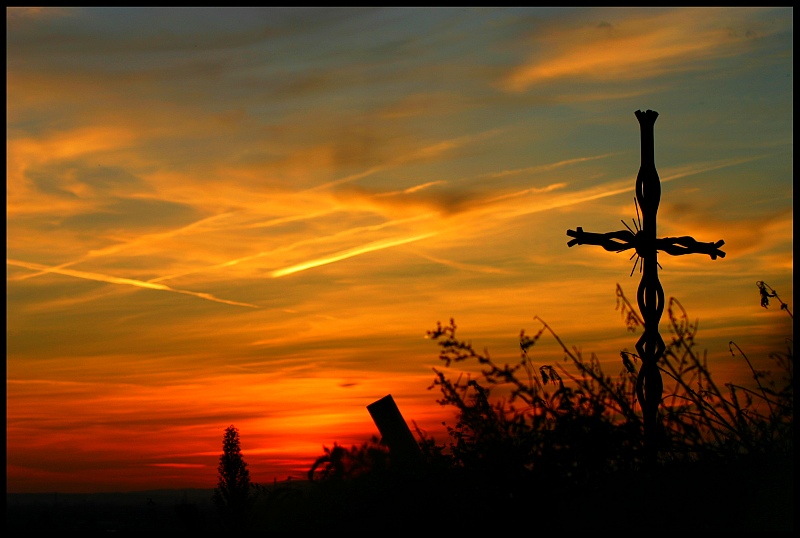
pixel 26 153
pixel 420 153
pixel 638 47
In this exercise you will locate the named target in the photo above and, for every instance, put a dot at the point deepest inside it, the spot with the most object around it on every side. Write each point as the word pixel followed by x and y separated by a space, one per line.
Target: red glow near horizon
pixel 252 217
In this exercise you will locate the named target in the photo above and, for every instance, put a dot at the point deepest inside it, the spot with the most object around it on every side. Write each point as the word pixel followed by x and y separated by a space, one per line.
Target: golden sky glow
pixel 252 216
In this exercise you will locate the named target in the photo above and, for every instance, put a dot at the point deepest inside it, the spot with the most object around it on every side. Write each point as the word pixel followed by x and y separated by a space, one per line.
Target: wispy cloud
pixel 461 266
pixel 339 256
pixel 118 280
pixel 547 167
pixel 415 188
pixel 612 188
pixel 294 246
pixel 459 196
pixel 421 153
pixel 643 45
pixel 147 239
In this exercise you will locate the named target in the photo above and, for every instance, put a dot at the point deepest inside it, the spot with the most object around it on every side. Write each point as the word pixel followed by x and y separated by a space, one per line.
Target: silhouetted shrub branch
pixel 546 414
pixel 566 438
pixel 767 292
pixel 340 463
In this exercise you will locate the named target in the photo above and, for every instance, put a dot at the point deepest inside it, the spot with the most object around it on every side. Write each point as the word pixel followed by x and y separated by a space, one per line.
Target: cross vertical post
pixel 650 294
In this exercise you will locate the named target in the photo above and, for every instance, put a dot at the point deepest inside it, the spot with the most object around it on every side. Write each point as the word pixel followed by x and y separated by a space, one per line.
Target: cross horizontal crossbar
pixel 622 240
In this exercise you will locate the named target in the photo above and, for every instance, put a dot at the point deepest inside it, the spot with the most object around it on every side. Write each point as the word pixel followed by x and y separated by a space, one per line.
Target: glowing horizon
pixel 252 216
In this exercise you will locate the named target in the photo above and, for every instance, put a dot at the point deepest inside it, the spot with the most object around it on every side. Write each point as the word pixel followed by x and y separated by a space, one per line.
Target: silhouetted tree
pixel 232 494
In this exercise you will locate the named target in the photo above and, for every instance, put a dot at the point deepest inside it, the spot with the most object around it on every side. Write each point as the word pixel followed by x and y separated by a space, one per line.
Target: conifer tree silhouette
pixel 232 494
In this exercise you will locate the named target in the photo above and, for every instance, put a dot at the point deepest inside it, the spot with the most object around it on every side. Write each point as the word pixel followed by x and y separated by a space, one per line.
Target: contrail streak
pixel 464 266
pixel 616 187
pixel 425 152
pixel 548 167
pixel 287 248
pixel 113 249
pixel 117 280
pixel 411 190
pixel 343 255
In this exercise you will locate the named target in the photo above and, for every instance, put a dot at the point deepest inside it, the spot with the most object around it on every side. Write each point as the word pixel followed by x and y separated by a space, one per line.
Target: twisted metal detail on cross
pixel 650 295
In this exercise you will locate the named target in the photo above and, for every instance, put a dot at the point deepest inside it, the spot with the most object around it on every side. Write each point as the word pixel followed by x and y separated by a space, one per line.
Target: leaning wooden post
pixel 395 432
pixel 650 294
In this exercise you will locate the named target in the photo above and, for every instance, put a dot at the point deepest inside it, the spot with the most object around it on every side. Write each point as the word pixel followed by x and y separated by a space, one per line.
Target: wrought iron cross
pixel 650 294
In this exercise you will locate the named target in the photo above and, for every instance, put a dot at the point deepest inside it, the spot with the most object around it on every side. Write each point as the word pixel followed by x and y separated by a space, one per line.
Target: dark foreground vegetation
pixel 559 447
pixel 545 447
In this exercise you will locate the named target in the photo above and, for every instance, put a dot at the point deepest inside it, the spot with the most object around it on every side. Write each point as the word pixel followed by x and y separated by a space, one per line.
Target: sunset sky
pixel 253 216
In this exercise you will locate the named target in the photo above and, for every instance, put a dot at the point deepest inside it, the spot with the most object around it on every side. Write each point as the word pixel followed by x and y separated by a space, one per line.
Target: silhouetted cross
pixel 650 294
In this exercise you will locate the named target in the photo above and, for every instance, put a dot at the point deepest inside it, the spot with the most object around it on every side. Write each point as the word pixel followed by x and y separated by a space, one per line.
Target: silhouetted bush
pixel 564 441
pixel 578 431
pixel 340 463
pixel 580 423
